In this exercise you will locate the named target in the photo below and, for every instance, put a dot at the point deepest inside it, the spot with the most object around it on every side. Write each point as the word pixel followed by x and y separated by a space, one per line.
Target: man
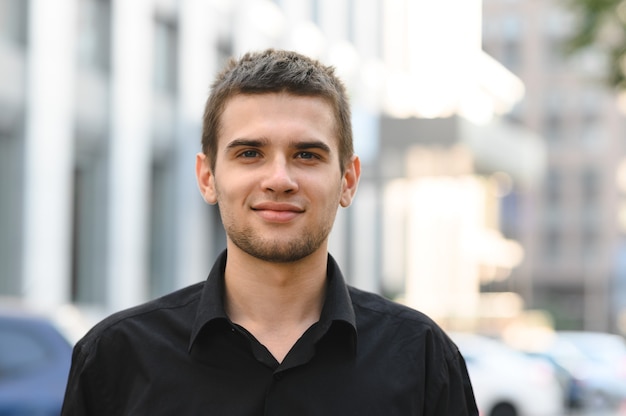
pixel 274 330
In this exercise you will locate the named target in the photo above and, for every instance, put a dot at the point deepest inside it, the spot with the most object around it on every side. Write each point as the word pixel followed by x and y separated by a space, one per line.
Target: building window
pixel 553 122
pixel 553 53
pixel 552 242
pixel 315 12
pixel 589 244
pixel 165 56
pixel 512 48
pixel 351 23
pixel 89 266
pixel 553 187
pixel 511 27
pixel 553 126
pixel 510 215
pixel 162 227
pixel 511 56
pixel 564 302
pixel 94 34
pixel 14 21
pixel 224 48
pixel 553 199
pixel 590 193
pixel 591 131
pixel 11 209
pixel 590 184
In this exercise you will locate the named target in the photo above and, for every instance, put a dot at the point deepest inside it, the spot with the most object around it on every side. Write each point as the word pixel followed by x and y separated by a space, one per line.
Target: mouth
pixel 277 212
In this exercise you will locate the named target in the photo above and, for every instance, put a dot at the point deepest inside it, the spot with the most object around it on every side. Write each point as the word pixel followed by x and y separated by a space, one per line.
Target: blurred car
pixel 34 364
pixel 598 360
pixel 574 388
pixel 507 382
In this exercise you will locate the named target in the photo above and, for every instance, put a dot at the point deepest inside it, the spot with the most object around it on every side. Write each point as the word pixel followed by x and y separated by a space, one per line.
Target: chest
pixel 340 390
pixel 229 376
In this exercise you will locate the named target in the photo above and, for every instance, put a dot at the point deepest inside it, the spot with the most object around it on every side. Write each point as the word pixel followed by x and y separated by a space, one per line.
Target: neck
pixel 264 291
pixel 276 302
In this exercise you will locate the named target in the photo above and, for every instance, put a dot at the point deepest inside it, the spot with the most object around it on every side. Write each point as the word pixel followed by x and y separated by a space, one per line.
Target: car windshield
pixel 601 348
pixel 20 351
pixel 472 347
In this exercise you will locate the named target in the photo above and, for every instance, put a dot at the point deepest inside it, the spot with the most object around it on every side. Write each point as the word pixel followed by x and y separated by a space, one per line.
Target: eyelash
pixel 248 154
pixel 310 154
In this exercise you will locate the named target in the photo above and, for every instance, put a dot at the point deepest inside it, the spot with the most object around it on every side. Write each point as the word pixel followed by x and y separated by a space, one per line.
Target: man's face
pixel 277 177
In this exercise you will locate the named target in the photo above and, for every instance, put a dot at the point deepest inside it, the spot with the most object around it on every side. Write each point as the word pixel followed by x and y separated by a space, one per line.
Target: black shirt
pixel 181 355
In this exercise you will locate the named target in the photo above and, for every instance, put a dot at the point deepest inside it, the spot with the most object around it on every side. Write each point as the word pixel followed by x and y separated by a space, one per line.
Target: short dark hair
pixel 273 71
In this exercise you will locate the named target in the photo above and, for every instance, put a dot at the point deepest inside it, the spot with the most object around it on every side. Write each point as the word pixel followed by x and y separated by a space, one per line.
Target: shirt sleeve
pixel 452 394
pixel 461 384
pixel 85 393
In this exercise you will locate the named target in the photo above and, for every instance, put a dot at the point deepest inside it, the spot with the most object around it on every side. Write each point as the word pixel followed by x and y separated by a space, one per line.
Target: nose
pixel 279 177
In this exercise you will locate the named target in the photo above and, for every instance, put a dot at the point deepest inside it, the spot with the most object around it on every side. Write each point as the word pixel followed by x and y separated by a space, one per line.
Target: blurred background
pixel 492 135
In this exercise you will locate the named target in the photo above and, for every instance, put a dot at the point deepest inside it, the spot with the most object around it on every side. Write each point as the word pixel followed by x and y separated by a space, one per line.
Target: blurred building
pixel 571 229
pixel 101 108
pixel 446 161
pixel 101 104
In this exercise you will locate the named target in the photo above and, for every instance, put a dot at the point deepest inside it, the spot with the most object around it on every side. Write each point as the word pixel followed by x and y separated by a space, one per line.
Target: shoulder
pixel 144 319
pixel 367 302
pixel 394 320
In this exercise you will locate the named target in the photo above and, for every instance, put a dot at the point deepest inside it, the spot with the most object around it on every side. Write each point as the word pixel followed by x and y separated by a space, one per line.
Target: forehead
pixel 277 115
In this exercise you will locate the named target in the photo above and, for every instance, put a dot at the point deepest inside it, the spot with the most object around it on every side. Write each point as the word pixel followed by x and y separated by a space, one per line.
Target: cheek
pixel 332 195
pixel 232 192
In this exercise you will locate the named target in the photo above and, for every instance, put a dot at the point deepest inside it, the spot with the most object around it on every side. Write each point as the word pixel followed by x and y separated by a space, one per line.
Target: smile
pixel 277 212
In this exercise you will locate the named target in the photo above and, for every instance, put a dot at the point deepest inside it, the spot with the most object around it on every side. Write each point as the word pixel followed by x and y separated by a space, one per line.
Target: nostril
pixel 280 179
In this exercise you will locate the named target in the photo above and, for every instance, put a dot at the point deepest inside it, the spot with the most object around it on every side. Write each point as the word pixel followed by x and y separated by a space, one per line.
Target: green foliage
pixel 601 24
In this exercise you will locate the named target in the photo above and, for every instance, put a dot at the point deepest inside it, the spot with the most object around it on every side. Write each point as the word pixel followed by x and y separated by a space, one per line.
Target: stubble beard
pixel 280 250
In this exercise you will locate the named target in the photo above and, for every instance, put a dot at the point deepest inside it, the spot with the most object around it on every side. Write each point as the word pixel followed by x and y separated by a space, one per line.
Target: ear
pixel 206 179
pixel 350 181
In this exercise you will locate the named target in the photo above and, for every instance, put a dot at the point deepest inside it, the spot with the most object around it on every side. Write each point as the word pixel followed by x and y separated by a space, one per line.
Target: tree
pixel 601 24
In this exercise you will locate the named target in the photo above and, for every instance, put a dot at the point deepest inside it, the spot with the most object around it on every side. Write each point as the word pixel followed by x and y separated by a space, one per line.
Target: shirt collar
pixel 337 305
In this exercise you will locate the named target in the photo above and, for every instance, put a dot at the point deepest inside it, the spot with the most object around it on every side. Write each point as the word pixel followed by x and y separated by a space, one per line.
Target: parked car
pixel 34 364
pixel 598 360
pixel 507 382
pixel 574 388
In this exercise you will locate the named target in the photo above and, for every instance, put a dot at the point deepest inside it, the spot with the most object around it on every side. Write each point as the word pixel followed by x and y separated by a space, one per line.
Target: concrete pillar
pixel 197 64
pixel 49 151
pixel 130 151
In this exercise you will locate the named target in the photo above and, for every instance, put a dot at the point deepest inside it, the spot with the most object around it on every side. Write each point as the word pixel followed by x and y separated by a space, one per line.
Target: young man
pixel 274 330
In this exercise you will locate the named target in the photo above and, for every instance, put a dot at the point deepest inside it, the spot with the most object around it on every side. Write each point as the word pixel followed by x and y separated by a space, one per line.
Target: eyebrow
pixel 246 143
pixel 304 145
pixel 315 144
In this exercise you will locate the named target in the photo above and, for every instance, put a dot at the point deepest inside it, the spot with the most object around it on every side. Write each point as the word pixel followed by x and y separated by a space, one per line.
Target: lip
pixel 277 212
